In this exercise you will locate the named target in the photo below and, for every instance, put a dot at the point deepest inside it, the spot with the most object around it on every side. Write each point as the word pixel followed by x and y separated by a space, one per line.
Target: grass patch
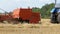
pixel 34 27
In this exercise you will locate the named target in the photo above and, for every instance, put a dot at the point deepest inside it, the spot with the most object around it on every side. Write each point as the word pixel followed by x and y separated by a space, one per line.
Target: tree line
pixel 45 10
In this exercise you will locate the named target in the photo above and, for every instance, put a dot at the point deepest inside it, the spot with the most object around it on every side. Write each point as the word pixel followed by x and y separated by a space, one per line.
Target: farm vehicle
pixel 55 14
pixel 22 15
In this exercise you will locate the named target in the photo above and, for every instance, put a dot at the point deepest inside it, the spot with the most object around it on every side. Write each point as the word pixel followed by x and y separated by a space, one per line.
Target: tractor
pixel 55 14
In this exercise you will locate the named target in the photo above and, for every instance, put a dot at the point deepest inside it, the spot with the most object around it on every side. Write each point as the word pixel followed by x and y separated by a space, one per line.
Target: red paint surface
pixel 35 18
pixel 25 14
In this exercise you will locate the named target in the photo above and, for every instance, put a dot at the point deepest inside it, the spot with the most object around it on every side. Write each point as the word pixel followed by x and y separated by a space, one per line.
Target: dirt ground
pixel 44 28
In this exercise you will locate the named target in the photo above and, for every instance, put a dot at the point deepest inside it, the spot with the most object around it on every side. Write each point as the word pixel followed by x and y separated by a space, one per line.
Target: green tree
pixel 35 9
pixel 45 10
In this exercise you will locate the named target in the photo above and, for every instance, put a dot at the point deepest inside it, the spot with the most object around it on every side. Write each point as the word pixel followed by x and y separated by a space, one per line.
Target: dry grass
pixel 44 28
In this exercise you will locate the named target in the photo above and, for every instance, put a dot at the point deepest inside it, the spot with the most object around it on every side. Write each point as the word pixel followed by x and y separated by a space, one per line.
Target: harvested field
pixel 44 28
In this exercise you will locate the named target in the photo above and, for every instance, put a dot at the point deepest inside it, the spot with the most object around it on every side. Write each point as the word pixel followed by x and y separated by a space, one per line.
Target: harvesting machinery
pixel 26 15
pixel 55 13
pixel 21 15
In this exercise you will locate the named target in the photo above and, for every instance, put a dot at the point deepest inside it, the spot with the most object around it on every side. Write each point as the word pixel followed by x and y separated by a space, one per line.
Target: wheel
pixel 58 18
pixel 54 18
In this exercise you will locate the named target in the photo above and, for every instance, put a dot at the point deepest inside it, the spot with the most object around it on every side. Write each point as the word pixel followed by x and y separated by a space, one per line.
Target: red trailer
pixel 26 14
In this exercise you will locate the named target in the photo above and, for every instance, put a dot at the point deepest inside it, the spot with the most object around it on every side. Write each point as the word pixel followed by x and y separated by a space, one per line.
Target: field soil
pixel 44 28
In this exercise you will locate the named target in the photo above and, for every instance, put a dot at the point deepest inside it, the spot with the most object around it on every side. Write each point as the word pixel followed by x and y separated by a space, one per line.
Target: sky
pixel 10 5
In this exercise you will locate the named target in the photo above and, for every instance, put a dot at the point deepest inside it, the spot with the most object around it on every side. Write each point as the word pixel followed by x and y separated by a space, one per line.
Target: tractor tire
pixel 52 18
pixel 58 18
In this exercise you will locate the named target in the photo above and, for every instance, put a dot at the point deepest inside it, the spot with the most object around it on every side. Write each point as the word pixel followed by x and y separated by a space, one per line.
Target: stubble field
pixel 44 28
